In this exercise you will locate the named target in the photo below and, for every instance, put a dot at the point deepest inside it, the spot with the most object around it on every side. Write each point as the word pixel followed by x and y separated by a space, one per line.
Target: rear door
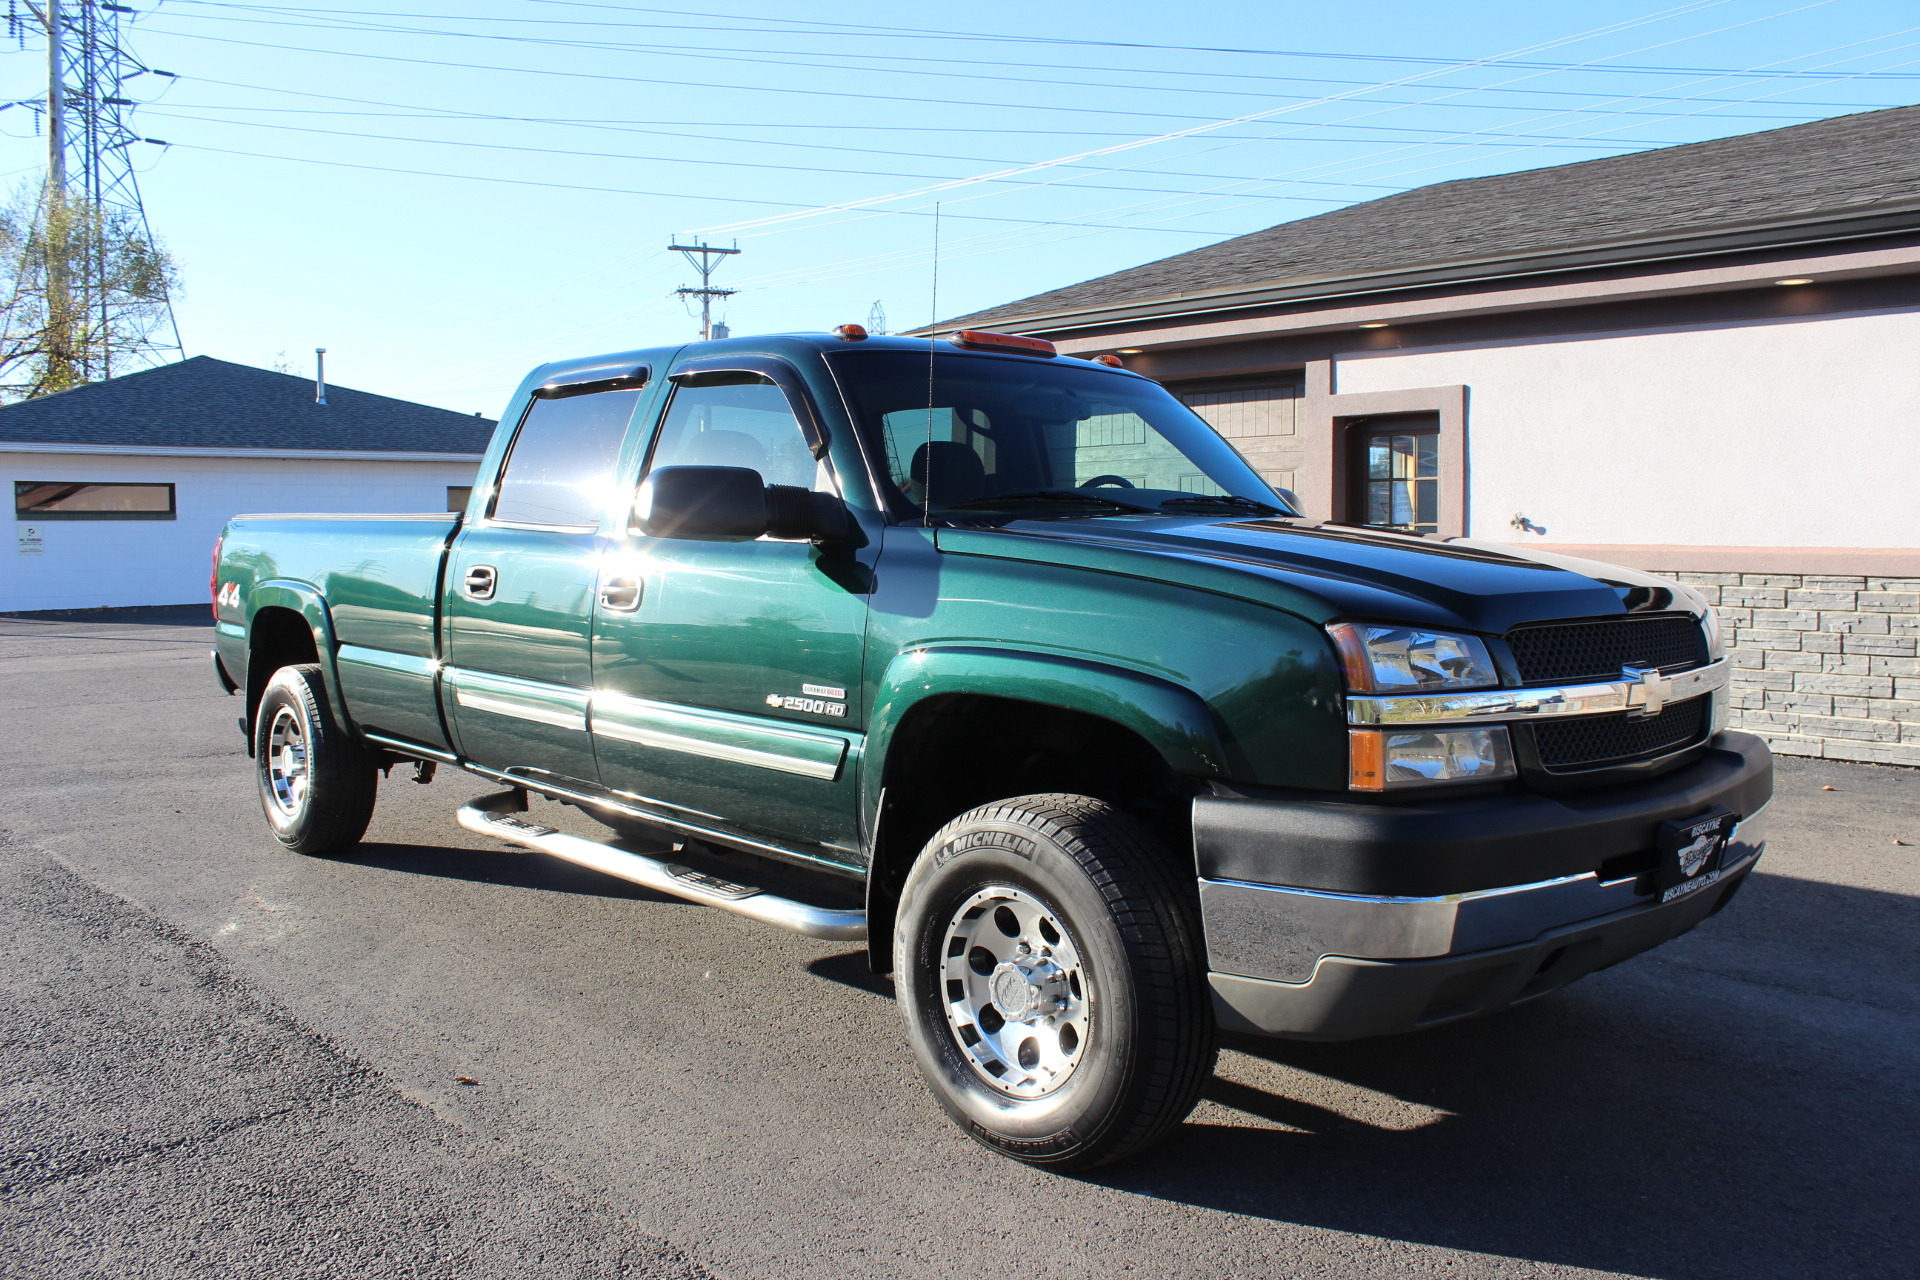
pixel 727 674
pixel 520 588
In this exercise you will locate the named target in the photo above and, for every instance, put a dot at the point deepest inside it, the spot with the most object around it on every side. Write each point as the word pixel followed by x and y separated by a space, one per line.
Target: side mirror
pixel 1291 499
pixel 733 504
pixel 705 504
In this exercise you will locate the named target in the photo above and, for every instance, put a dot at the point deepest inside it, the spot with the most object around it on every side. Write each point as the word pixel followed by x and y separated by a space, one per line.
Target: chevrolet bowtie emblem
pixel 1647 690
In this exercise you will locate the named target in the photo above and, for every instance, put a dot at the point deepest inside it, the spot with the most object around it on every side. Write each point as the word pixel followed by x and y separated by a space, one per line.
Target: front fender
pixel 1175 721
pixel 304 599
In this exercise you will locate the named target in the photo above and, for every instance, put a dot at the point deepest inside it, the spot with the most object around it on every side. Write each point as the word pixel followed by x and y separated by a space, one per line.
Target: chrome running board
pixel 498 816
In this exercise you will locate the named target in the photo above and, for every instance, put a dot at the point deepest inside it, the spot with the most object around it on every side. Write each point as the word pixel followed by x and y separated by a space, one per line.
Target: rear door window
pixel 560 470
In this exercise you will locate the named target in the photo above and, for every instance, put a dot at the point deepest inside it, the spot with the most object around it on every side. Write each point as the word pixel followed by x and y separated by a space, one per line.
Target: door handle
pixel 621 595
pixel 481 580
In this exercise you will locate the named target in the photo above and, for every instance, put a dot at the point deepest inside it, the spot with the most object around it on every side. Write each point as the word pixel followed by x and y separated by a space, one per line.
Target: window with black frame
pixel 1397 474
pixel 86 500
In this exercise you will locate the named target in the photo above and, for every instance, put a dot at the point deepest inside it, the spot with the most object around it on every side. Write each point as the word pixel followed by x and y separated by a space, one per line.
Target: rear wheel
pixel 1049 967
pixel 317 785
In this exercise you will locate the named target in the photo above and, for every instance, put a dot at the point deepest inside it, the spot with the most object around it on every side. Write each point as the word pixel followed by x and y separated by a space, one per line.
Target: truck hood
pixel 1327 571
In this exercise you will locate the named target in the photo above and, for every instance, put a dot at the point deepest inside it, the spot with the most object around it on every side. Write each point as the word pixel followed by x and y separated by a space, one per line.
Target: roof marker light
pixel 850 332
pixel 1003 341
pixel 1114 361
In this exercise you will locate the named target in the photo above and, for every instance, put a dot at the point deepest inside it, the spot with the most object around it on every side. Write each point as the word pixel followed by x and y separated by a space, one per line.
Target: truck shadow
pixel 501 867
pixel 1741 1103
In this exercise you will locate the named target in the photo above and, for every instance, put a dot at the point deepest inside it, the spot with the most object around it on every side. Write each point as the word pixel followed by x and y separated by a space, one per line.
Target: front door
pixel 727 674
pixel 520 586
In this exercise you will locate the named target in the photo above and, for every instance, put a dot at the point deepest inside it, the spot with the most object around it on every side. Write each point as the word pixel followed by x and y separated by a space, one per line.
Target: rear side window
pixel 560 468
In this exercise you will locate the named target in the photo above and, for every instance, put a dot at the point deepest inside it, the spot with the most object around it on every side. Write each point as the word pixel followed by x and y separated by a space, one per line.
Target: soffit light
pixel 1131 351
pixel 1373 324
pixel 1795 280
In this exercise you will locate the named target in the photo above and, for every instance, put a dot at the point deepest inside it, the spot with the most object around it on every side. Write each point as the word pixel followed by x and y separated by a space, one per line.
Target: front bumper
pixel 1312 962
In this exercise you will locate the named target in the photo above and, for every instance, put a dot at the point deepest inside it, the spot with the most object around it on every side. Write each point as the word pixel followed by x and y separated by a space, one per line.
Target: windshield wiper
pixel 1231 501
pixel 1052 495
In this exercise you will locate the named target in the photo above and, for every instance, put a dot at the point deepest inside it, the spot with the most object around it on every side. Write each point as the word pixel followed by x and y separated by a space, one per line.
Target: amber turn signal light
pixel 1111 361
pixel 1366 760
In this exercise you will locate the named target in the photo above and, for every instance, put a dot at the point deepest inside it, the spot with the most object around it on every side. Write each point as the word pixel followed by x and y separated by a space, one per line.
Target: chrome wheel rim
pixel 1017 999
pixel 287 762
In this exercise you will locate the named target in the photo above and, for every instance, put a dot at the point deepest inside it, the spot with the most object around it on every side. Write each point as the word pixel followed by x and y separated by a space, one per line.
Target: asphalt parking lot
pixel 221 1059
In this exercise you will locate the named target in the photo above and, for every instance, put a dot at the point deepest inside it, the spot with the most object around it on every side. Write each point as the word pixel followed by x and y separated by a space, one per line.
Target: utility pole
pixel 55 223
pixel 92 185
pixel 706 263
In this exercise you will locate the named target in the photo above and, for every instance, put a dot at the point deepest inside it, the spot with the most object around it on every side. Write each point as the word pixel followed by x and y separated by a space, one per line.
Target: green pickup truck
pixel 1009 665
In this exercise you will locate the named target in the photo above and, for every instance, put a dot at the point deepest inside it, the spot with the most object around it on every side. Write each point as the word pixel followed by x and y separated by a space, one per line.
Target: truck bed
pixel 374 580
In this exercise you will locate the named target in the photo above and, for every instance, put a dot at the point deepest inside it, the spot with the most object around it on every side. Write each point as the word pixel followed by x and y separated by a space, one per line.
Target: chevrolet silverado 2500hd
pixel 1006 663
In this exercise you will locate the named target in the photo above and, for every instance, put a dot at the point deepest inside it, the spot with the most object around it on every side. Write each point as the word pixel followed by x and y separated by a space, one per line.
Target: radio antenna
pixel 926 483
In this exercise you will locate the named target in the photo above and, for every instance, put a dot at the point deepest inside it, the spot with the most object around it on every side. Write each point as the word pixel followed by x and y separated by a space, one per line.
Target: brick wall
pixel 1822 666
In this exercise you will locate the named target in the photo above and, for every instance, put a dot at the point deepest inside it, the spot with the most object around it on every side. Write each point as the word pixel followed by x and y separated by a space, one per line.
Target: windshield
pixel 1033 438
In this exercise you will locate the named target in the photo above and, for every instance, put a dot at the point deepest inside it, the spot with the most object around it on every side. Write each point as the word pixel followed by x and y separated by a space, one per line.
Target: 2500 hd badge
pixel 1099 745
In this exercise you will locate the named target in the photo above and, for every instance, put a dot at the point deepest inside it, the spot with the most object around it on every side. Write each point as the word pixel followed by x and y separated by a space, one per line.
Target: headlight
pixel 1710 623
pixel 1383 659
pixel 1390 760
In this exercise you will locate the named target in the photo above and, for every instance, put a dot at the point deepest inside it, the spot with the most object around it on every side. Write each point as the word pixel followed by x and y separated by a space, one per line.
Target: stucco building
pixel 1702 360
pixel 120 487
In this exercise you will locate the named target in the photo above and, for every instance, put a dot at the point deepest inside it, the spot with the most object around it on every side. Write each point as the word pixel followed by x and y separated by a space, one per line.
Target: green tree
pixel 83 293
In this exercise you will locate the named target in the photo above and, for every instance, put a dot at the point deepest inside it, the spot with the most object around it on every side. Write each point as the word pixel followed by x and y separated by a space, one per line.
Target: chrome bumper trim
pixel 1529 704
pixel 1281 933
pixel 496 816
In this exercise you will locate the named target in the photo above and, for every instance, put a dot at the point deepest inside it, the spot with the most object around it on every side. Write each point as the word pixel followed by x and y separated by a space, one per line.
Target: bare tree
pixel 83 293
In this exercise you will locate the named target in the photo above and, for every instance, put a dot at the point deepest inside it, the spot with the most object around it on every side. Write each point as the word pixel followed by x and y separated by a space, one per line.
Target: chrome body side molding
pixel 550 704
pixel 387 660
pixel 497 816
pixel 1647 692
pixel 717 736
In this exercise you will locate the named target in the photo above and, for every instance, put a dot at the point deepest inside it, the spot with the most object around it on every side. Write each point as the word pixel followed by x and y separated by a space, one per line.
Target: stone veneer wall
pixel 1823 666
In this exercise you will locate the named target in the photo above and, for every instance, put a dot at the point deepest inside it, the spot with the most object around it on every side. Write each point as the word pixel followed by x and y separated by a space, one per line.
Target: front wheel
pixel 317 785
pixel 1048 963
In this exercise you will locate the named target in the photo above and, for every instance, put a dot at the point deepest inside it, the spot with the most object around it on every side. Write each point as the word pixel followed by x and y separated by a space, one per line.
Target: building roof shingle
pixel 1848 165
pixel 204 403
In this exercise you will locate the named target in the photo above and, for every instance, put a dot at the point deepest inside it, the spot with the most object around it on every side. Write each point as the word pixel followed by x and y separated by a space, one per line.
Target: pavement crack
pixel 216 1130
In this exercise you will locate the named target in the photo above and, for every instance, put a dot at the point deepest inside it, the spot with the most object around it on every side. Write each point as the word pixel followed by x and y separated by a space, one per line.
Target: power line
pixel 790 26
pixel 718 53
pixel 792 168
pixel 628 191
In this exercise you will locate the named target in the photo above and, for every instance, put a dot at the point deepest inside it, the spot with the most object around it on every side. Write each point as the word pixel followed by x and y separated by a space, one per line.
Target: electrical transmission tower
pixel 705 263
pixel 877 320
pixel 106 285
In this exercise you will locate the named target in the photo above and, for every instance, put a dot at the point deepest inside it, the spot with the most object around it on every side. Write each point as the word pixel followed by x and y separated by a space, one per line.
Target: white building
pixel 1702 360
pixel 120 487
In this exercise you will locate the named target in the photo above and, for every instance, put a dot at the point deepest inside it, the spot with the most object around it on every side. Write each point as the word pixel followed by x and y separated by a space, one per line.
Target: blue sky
pixel 446 192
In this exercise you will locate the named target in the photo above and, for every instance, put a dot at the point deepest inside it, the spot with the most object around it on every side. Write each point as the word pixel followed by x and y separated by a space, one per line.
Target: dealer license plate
pixel 1691 851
